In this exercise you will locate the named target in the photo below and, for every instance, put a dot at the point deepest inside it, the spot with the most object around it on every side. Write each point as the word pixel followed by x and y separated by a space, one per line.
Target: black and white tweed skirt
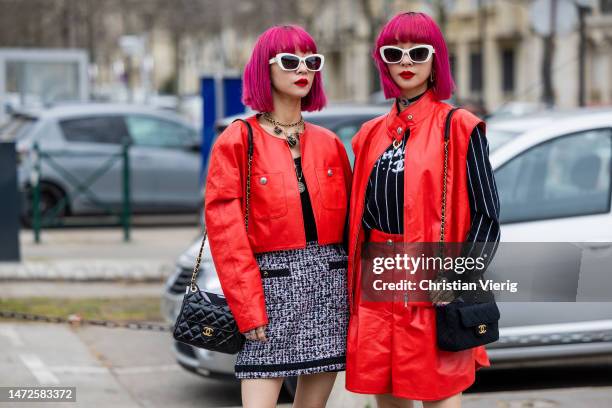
pixel 306 301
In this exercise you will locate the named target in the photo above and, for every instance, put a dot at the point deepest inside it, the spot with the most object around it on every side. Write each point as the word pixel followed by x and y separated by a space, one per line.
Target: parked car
pixel 517 109
pixel 553 178
pixel 164 158
pixel 554 181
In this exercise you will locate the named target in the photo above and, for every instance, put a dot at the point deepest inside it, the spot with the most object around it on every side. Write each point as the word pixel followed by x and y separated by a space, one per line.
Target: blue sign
pixel 212 90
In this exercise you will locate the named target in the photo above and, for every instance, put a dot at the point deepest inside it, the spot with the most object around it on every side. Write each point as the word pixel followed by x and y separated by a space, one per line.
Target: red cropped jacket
pixel 275 213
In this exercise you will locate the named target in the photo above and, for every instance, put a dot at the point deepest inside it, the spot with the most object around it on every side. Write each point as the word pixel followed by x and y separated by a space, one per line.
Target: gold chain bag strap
pixel 205 319
pixel 461 325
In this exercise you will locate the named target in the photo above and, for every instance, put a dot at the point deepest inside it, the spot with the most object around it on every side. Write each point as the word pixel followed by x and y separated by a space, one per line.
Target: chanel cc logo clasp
pixel 208 331
pixel 482 328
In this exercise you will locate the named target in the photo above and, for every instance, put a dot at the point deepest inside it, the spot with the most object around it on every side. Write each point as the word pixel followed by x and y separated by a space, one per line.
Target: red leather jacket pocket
pixel 268 199
pixel 332 187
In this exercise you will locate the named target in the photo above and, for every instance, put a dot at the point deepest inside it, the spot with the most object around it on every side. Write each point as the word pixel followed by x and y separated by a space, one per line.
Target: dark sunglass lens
pixel 313 63
pixel 419 54
pixel 290 62
pixel 393 54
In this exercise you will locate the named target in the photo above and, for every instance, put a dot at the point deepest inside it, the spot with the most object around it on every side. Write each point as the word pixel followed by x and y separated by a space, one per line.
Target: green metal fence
pixel 80 187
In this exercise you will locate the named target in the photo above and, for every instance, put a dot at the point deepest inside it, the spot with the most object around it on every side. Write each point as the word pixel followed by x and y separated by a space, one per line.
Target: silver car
pixel 81 140
pixel 530 333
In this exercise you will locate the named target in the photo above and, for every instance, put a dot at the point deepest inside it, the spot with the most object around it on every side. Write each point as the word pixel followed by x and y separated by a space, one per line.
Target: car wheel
pixel 50 196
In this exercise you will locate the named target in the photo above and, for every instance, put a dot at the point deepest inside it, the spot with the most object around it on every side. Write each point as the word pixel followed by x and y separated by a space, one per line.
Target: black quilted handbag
pixel 205 320
pixel 461 325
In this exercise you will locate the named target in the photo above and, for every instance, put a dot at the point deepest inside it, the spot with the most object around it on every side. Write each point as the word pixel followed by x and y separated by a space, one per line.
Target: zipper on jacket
pixel 406 136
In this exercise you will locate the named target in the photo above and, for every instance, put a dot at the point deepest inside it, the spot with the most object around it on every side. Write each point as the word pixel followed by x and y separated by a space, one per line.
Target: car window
pixel 345 129
pixel 94 129
pixel 150 131
pixel 564 177
pixel 498 138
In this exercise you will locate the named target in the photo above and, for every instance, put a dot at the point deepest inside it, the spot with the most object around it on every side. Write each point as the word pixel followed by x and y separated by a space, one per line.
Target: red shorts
pixel 391 349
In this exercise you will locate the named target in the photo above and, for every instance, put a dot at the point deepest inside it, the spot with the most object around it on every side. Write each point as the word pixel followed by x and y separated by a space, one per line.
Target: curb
pixel 133 270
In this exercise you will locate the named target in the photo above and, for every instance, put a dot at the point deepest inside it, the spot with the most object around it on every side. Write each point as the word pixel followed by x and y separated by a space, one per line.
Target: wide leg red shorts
pixel 391 349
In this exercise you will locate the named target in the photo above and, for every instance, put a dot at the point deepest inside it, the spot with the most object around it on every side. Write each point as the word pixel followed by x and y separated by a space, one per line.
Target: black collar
pixel 410 100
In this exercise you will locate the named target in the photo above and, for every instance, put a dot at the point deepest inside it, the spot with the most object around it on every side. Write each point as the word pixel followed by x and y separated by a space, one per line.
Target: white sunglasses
pixel 417 54
pixel 291 62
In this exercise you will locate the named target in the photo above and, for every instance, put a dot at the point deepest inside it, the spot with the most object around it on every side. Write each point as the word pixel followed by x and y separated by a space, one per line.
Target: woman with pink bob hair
pixel 258 92
pixel 449 194
pixel 276 224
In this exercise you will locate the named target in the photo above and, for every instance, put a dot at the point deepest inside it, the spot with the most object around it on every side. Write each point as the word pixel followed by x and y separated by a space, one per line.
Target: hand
pixel 441 297
pixel 257 334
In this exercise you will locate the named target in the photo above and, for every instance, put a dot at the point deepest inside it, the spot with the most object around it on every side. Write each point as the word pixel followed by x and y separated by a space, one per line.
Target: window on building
pixel 508 67
pixel 476 72
pixel 452 60
pixel 606 6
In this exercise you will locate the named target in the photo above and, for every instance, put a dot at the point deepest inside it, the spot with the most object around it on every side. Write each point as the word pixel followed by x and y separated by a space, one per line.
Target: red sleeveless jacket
pixel 424 159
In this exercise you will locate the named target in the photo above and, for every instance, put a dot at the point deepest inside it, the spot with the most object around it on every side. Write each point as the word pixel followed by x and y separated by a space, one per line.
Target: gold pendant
pixel 399 143
pixel 291 140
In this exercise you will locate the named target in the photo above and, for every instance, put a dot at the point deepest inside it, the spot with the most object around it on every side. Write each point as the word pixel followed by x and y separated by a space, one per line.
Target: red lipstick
pixel 301 82
pixel 406 74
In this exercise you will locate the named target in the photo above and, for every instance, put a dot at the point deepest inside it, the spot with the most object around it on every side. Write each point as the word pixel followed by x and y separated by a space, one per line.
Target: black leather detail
pixel 275 273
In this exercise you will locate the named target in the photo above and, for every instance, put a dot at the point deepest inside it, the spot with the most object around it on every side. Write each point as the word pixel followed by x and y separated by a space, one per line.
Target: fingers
pixel 441 297
pixel 261 334
pixel 257 334
pixel 438 299
pixel 250 335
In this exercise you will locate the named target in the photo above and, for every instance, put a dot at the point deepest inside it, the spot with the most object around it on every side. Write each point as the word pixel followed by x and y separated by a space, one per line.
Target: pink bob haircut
pixel 416 28
pixel 257 87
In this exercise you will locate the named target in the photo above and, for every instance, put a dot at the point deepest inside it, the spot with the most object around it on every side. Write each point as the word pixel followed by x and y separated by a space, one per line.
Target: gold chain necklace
pixel 269 118
pixel 291 138
pixel 301 185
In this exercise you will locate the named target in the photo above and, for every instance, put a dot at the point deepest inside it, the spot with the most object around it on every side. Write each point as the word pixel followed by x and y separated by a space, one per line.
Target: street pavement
pixel 78 289
pixel 116 367
pixel 88 254
pixel 129 368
